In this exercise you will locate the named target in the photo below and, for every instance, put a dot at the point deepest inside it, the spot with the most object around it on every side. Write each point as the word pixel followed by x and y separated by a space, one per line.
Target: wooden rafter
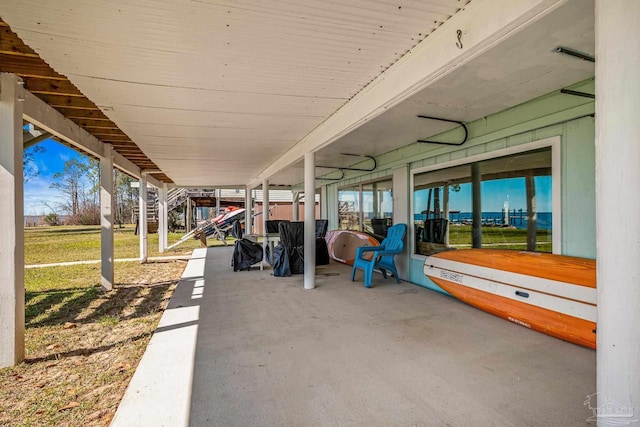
pixel 56 90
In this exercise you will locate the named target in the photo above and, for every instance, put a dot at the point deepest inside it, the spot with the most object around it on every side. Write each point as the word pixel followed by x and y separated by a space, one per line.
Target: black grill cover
pixel 292 240
pixel 322 252
pixel 245 254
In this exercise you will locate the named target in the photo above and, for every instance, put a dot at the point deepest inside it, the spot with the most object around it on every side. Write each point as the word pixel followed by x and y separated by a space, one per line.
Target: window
pixel 366 207
pixel 513 207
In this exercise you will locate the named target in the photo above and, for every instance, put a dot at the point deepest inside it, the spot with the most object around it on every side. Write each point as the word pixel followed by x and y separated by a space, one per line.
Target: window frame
pixel 554 142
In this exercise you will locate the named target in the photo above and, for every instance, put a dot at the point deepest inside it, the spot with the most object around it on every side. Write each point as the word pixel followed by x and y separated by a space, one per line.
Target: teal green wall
pixel 551 115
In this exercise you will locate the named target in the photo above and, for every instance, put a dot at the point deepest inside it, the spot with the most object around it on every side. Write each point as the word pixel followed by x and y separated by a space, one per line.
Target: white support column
pixel 187 216
pixel 295 206
pixel 163 218
pixel 332 206
pixel 12 224
pixel 106 218
pixel 401 193
pixel 248 213
pixel 324 213
pixel 309 220
pixel 265 213
pixel 142 218
pixel 617 177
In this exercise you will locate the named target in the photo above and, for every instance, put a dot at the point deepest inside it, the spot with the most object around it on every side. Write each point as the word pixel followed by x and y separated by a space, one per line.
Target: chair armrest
pixel 384 253
pixel 360 251
pixel 369 248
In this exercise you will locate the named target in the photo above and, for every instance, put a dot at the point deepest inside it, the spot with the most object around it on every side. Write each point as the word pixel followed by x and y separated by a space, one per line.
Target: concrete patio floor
pixel 250 349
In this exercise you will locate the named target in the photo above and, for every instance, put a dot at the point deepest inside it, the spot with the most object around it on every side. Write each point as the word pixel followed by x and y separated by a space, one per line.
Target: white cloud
pixel 38 194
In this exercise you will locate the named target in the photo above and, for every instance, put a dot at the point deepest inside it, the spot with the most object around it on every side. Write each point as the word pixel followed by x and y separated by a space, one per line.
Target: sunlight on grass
pixel 500 237
pixel 83 344
pixel 109 320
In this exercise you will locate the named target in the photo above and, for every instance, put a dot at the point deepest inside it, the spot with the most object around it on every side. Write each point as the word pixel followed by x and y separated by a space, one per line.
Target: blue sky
pixel 37 191
pixel 494 194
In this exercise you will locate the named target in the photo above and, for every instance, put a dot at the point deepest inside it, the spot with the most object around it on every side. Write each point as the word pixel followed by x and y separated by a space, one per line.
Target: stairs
pixel 152 210
pixel 175 198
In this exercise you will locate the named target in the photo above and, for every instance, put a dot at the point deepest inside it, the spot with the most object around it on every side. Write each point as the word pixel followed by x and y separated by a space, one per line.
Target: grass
pixel 82 344
pixel 45 245
pixel 500 237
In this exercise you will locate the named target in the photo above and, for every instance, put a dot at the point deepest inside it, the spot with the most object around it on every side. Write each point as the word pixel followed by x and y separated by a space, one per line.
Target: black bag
pixel 245 254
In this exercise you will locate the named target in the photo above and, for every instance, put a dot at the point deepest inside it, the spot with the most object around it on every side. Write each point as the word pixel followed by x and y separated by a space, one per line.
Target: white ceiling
pixel 215 91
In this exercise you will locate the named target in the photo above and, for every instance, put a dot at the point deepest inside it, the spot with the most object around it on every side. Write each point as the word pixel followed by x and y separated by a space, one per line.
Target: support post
pixel 324 210
pixel 106 218
pixel 12 224
pixel 265 214
pixel 375 199
pixel 163 218
pixel 617 153
pixel 400 215
pixel 187 216
pixel 295 206
pixel 476 225
pixel 248 213
pixel 142 218
pixel 309 220
pixel 218 191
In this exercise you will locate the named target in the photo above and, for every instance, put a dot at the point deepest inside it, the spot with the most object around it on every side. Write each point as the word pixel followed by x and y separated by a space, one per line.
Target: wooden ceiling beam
pixel 51 87
pixel 96 124
pixel 98 132
pixel 75 114
pixel 11 44
pixel 63 101
pixel 27 67
pixel 115 138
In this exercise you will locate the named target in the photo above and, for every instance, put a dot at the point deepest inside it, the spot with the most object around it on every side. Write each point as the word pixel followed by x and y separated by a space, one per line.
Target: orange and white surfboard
pixel 342 244
pixel 552 294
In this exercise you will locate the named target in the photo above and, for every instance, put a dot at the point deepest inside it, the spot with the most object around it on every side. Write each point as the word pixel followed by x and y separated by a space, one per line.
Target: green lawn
pixel 44 245
pixel 82 343
pixel 500 237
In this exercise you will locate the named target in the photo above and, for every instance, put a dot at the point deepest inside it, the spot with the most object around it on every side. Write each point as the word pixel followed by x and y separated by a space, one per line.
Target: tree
pixel 125 197
pixel 52 219
pixel 79 183
pixel 29 167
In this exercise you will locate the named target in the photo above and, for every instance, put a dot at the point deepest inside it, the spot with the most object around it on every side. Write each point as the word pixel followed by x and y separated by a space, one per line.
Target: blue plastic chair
pixel 383 255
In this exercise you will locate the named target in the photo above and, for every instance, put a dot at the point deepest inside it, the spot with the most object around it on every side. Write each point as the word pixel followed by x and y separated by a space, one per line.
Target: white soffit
pixel 520 68
pixel 215 91
pixel 484 25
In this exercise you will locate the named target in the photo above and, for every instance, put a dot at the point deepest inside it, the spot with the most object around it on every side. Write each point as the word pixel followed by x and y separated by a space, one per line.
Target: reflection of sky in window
pixel 351 196
pixel 494 194
pixel 386 205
